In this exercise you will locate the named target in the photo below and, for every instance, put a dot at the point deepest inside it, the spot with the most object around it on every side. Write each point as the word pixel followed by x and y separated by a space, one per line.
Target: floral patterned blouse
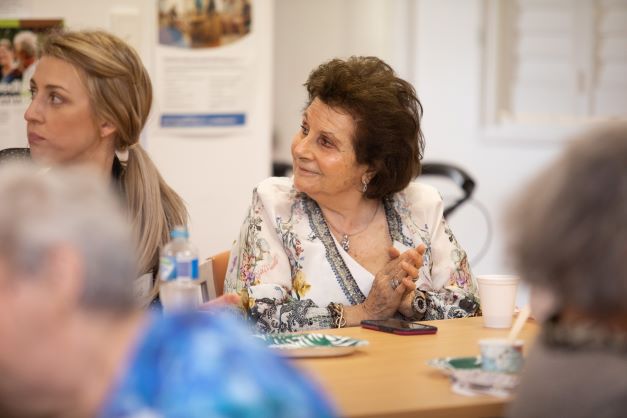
pixel 288 267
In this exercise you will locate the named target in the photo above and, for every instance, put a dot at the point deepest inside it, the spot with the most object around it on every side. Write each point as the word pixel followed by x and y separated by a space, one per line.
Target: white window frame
pixel 494 85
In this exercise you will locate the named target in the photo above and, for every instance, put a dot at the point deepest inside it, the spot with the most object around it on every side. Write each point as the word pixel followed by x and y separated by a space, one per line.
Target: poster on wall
pixel 205 66
pixel 19 50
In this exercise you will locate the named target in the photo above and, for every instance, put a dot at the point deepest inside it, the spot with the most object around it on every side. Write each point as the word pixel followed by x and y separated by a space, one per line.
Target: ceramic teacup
pixel 501 355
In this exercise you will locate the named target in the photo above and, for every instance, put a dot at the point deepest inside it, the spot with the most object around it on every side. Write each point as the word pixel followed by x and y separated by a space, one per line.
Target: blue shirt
pixel 203 365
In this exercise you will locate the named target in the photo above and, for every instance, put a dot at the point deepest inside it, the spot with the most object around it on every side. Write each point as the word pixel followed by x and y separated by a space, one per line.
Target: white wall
pixel 308 33
pixel 449 45
pixel 437 46
pixel 215 176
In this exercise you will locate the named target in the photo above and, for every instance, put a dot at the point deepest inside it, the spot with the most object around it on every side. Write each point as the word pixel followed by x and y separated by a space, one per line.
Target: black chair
pixel 455 174
pixel 14 154
pixel 281 169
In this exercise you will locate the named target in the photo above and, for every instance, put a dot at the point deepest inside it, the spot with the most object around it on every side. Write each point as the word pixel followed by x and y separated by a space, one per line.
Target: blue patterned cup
pixel 501 355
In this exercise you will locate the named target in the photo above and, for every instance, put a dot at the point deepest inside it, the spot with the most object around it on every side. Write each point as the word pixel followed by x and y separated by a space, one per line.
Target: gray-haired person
pixel 73 342
pixel 568 237
pixel 26 46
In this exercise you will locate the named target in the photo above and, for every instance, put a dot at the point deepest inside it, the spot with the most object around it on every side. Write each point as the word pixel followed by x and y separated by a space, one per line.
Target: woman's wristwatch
pixel 418 305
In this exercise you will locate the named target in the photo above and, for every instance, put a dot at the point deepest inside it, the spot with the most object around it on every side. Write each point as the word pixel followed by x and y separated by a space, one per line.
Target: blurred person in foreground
pixel 91 97
pixel 568 237
pixel 75 344
pixel 351 236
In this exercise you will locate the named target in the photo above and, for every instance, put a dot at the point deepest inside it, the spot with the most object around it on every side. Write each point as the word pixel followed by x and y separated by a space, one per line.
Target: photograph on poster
pixel 203 23
pixel 205 65
pixel 19 46
pixel 19 51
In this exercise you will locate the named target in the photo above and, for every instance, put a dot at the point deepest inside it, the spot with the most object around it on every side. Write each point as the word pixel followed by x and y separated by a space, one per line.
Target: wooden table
pixel 390 377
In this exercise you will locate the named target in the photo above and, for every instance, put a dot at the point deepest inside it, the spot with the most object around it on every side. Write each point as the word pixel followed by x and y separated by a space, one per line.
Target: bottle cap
pixel 179 232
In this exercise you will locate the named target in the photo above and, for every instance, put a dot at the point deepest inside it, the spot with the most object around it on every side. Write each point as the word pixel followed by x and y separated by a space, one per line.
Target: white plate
pixel 312 345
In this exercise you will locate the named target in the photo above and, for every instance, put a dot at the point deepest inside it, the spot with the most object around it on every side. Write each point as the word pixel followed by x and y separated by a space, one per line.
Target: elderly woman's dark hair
pixel 387 114
pixel 568 231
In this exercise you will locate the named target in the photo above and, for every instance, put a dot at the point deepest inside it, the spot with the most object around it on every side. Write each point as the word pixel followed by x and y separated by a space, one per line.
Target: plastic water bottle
pixel 179 289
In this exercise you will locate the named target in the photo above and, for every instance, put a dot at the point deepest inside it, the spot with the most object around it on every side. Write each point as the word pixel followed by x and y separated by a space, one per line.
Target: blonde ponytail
pixel 154 207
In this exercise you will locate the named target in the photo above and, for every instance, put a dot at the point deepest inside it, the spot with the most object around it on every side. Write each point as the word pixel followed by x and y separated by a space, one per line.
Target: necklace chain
pixel 345 242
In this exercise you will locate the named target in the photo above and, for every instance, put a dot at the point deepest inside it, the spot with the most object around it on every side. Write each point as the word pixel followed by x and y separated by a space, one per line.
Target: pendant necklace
pixel 345 242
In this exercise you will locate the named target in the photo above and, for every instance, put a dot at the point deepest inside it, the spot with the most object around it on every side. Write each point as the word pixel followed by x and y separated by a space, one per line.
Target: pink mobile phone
pixel 398 326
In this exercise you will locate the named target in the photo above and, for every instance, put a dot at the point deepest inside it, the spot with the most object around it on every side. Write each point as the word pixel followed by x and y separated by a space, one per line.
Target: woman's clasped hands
pixel 392 289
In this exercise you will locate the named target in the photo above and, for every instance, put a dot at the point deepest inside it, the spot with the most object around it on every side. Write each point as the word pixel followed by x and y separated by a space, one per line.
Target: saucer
pixel 450 364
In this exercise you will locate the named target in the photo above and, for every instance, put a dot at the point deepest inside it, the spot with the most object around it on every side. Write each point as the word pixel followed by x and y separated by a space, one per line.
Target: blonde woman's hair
pixel 121 94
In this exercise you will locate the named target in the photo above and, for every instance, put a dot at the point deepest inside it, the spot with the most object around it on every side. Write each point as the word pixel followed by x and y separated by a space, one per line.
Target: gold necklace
pixel 345 242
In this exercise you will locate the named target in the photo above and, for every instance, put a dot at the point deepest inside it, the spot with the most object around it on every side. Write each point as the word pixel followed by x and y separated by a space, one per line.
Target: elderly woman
pixel 74 343
pixel 9 72
pixel 568 238
pixel 91 97
pixel 351 237
pixel 26 47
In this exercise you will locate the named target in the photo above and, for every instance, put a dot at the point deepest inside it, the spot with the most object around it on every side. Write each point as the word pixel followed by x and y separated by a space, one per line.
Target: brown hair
pixel 387 114
pixel 121 93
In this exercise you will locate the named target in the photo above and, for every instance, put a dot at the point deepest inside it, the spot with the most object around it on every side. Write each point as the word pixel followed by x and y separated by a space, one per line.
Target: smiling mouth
pixel 305 171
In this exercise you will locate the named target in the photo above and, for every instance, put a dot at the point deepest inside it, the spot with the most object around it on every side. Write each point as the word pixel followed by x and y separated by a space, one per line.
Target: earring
pixel 365 185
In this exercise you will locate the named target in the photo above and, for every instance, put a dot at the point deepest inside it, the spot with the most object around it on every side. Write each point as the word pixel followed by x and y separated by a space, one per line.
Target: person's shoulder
pixel 188 328
pixel 421 193
pixel 576 372
pixel 276 191
pixel 196 350
pixel 204 348
pixel 420 201
pixel 281 185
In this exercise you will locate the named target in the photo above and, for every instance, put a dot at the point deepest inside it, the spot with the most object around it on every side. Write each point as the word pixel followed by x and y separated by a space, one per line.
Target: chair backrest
pixel 212 272
pixel 219 264
pixel 281 169
pixel 14 154
pixel 455 174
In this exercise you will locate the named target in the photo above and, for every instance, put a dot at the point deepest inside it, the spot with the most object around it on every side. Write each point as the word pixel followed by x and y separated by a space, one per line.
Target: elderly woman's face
pixel 6 58
pixel 61 125
pixel 323 153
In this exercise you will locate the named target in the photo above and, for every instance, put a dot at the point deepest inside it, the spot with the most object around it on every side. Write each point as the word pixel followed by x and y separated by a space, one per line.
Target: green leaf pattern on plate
pixel 455 363
pixel 296 341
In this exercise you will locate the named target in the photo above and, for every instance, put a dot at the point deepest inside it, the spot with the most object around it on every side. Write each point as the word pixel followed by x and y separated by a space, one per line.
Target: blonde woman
pixel 91 97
